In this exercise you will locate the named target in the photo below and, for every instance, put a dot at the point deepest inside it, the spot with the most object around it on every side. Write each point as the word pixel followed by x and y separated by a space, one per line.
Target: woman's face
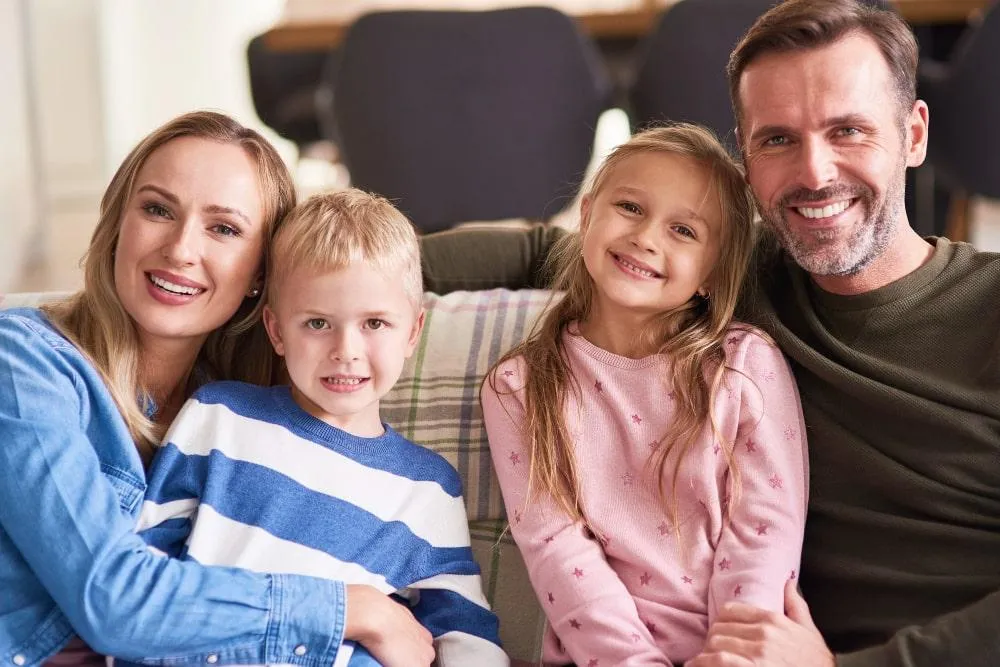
pixel 191 240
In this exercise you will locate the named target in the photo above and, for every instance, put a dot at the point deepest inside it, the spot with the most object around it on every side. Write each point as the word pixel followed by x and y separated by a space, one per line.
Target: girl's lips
pixel 633 267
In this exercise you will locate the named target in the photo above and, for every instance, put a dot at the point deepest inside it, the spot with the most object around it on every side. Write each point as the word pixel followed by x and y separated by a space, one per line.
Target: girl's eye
pixel 156 210
pixel 222 229
pixel 317 324
pixel 374 324
pixel 629 207
pixel 684 230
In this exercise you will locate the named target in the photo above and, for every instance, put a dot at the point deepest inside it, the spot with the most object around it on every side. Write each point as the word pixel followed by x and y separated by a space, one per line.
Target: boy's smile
pixel 344 335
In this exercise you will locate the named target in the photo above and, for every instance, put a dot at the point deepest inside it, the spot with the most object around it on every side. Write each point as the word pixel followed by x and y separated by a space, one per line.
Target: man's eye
pixel 849 131
pixel 776 141
pixel 316 324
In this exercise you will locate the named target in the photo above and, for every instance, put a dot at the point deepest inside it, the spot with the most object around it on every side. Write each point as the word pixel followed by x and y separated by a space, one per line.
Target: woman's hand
pixel 386 628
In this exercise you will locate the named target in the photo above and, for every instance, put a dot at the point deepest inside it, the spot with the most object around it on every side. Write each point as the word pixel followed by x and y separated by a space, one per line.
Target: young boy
pixel 306 478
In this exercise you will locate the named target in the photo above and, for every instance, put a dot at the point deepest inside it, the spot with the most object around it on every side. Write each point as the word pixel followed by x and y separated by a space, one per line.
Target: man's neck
pixel 906 253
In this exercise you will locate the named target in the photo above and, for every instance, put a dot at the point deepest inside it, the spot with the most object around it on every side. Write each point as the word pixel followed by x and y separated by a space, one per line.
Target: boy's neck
pixel 364 424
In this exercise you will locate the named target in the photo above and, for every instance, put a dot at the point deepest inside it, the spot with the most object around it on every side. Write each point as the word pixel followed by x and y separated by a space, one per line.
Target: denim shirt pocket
pixel 130 489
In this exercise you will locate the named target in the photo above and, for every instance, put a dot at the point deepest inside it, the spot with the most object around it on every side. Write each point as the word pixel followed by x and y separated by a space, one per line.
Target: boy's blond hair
pixel 331 231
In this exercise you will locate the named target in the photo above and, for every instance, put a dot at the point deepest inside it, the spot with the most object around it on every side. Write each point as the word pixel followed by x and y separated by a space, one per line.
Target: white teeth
pixel 173 287
pixel 345 380
pixel 825 212
pixel 633 267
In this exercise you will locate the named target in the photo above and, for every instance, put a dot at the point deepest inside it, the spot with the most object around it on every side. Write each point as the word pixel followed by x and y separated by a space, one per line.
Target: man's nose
pixel 817 164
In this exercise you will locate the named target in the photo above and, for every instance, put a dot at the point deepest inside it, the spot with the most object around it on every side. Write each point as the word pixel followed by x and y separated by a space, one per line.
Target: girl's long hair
pixel 97 323
pixel 691 335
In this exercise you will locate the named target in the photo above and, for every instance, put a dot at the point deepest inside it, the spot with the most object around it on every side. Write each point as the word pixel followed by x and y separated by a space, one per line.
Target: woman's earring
pixel 253 293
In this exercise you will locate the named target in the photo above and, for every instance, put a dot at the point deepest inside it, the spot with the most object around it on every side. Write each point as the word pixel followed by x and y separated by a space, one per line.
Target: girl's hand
pixel 386 628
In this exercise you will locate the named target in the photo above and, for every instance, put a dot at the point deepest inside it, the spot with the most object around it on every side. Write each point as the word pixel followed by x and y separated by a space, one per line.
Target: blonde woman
pixel 650 451
pixel 173 279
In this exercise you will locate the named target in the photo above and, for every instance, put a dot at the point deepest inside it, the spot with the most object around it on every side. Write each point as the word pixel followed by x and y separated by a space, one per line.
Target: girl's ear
pixel 273 331
pixel 585 213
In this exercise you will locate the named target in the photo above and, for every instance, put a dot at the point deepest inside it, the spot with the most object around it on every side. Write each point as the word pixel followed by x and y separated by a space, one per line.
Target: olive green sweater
pixel 901 394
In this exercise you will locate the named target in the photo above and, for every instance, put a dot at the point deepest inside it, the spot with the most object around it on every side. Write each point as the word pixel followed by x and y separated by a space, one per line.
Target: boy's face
pixel 344 336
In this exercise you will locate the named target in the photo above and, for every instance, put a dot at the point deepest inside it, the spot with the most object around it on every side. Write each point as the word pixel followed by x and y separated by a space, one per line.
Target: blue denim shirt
pixel 70 563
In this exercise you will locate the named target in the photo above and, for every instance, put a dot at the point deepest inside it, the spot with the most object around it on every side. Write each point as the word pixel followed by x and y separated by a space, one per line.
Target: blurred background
pixel 393 105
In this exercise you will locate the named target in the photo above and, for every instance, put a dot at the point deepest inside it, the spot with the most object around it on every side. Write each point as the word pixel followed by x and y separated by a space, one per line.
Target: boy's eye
pixel 156 210
pixel 317 324
pixel 374 323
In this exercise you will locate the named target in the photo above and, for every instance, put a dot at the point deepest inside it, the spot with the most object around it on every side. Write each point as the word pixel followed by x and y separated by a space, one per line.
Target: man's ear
pixel 917 124
pixel 418 327
pixel 273 331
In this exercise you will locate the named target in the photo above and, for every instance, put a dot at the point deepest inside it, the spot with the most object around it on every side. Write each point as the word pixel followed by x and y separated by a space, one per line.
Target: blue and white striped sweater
pixel 249 479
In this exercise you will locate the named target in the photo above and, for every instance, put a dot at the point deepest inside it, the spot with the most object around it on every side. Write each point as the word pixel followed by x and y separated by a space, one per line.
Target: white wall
pixel 18 196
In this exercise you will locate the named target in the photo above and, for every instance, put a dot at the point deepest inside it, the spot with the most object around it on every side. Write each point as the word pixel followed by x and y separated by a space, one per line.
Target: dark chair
pixel 964 100
pixel 682 66
pixel 460 116
pixel 292 91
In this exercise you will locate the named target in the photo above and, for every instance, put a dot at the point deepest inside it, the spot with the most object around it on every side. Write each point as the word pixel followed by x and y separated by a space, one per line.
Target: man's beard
pixel 826 252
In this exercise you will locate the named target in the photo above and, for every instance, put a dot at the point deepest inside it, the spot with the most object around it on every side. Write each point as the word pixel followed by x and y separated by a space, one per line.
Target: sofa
pixel 436 403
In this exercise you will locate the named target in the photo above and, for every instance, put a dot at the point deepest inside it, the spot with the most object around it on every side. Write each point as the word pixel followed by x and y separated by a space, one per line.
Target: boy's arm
pixel 586 602
pixel 477 258
pixel 761 542
pixel 175 482
pixel 451 604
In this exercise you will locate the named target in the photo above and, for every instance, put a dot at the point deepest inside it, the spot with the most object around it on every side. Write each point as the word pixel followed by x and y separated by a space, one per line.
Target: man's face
pixel 826 149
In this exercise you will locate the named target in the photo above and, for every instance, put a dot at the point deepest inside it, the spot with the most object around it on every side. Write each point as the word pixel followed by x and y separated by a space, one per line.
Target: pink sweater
pixel 633 594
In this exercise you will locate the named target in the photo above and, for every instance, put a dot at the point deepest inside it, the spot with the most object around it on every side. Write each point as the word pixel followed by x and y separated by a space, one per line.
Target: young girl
pixel 650 451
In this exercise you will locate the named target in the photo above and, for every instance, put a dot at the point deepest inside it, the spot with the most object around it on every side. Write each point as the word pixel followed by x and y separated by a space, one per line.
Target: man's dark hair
pixel 800 25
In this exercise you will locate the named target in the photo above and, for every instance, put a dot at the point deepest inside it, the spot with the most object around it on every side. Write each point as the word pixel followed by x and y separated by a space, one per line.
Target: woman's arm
pixel 587 604
pixel 64 518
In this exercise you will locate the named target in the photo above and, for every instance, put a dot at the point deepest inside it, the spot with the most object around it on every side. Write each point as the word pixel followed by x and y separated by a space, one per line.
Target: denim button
pixel 300 649
pixel 19 660
pixel 212 659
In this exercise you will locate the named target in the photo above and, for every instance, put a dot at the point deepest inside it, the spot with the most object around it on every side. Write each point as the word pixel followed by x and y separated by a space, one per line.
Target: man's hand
pixel 745 636
pixel 386 628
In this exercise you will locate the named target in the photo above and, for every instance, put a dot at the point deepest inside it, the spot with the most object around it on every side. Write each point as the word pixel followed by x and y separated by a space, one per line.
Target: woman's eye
pixel 316 324
pixel 375 323
pixel 156 210
pixel 629 207
pixel 223 229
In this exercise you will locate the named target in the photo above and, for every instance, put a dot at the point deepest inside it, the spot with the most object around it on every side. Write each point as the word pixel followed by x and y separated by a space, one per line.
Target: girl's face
pixel 191 240
pixel 651 235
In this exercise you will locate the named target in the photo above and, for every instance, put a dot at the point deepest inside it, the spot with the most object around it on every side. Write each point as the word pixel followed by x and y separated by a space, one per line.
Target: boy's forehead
pixel 359 288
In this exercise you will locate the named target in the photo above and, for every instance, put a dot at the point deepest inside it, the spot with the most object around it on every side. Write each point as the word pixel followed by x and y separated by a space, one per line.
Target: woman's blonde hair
pixel 692 335
pixel 97 323
pixel 331 231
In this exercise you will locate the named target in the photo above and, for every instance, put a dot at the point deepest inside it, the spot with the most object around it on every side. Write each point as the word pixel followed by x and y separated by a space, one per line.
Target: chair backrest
pixel 964 102
pixel 682 70
pixel 461 116
pixel 284 87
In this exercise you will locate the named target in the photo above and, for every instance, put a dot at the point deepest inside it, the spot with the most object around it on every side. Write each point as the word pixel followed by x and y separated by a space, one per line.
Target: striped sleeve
pixel 175 483
pixel 451 604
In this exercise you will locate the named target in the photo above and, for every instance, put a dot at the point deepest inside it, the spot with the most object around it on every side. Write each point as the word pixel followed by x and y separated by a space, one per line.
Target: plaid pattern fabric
pixel 436 403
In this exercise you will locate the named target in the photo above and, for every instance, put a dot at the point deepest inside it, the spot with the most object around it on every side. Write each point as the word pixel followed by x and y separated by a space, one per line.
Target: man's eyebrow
pixel 768 131
pixel 212 208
